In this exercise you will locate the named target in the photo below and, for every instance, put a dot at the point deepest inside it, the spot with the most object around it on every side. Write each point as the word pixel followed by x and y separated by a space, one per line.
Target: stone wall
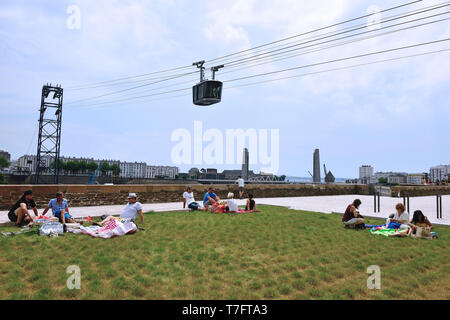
pixel 97 195
pixel 419 191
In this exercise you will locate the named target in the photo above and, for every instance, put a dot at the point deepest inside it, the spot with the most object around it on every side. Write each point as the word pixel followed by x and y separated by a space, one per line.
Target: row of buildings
pixel 136 170
pixel 437 173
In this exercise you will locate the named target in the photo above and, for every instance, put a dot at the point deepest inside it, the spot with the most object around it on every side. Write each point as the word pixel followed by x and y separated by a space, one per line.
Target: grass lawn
pixel 275 254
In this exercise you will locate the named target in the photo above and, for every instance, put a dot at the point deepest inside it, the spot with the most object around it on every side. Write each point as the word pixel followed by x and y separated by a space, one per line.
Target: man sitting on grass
pixel 130 212
pixel 210 199
pixel 19 211
pixel 352 218
pixel 188 199
pixel 60 209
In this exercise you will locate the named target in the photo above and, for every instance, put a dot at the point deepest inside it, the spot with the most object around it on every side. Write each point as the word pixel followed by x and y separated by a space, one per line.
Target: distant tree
pixel 383 180
pixel 92 166
pixel 72 166
pixel 83 165
pixel 4 163
pixel 104 168
pixel 115 170
pixel 61 165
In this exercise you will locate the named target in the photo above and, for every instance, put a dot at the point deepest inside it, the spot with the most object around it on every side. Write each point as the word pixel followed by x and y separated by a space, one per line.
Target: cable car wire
pixel 341 59
pixel 291 55
pixel 87 86
pixel 339 33
pixel 128 89
pixel 288 69
pixel 316 30
pixel 132 77
pixel 341 68
pixel 365 25
pixel 310 51
pixel 290 77
pixel 283 53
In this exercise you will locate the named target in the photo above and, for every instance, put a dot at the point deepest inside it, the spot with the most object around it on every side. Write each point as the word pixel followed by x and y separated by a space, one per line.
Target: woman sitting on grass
pixel 231 203
pixel 419 224
pixel 352 218
pixel 420 221
pixel 251 205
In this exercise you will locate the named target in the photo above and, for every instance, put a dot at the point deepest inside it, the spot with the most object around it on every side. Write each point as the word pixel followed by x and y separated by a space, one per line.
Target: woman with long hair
pixel 351 217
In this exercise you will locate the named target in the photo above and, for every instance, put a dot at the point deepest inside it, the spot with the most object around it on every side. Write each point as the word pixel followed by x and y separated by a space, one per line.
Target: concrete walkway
pixel 325 204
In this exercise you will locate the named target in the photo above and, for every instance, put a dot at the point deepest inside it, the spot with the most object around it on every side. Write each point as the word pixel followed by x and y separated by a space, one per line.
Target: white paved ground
pixel 325 204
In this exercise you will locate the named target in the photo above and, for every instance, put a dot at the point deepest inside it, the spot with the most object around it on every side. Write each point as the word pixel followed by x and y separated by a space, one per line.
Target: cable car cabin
pixel 207 92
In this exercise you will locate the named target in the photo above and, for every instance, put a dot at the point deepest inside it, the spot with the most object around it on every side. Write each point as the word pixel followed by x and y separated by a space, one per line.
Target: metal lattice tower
pixel 49 138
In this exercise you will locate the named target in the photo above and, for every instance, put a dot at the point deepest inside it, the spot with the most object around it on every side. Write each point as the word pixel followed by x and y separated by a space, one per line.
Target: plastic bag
pixel 51 228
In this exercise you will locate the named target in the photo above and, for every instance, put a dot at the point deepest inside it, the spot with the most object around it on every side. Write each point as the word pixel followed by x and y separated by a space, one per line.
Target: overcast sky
pixel 393 116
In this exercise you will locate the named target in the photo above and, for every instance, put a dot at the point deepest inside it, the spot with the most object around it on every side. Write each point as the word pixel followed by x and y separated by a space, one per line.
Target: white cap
pixel 132 195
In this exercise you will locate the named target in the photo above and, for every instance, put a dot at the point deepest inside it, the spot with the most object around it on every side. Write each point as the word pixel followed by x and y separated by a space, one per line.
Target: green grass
pixel 275 254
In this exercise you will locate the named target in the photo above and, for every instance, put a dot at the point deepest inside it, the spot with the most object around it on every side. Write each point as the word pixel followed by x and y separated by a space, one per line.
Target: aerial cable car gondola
pixel 207 92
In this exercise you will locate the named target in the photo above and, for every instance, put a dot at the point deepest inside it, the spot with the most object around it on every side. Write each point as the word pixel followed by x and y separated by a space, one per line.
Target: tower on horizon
pixel 245 157
pixel 316 167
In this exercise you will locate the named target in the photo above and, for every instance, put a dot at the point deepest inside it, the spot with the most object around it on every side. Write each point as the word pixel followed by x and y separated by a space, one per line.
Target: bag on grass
pixel 51 228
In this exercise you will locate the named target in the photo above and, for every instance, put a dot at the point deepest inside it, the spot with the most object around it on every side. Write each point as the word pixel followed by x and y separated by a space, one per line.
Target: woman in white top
pixel 401 216
pixel 231 203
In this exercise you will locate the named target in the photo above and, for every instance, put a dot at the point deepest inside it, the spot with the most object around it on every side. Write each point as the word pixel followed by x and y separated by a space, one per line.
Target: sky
pixel 393 115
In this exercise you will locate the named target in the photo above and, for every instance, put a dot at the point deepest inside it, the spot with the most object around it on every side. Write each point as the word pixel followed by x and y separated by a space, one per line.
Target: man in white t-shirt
pixel 240 183
pixel 130 212
pixel 189 201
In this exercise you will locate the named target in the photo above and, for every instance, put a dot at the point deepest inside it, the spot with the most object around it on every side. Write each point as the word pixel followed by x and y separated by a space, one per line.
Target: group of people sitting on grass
pixel 212 202
pixel 399 220
pixel 20 214
pixel 20 211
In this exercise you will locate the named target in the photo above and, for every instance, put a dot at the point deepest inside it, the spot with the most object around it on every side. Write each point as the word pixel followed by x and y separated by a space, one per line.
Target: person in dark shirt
pixel 19 211
pixel 351 217
pixel 251 205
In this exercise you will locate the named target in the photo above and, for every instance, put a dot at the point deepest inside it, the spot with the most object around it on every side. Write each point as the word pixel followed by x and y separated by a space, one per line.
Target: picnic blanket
pixel 383 232
pixel 113 228
pixel 247 211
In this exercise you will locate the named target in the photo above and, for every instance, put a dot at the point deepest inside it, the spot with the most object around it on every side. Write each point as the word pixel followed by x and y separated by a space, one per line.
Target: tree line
pixel 81 166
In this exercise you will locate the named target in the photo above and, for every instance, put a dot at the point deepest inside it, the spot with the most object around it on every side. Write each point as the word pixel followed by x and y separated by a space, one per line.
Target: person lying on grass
pixel 251 205
pixel 210 199
pixel 188 199
pixel 351 217
pixel 19 211
pixel 130 212
pixel 60 209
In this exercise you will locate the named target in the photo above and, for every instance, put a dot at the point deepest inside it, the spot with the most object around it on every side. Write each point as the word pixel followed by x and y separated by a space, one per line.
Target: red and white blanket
pixel 113 228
